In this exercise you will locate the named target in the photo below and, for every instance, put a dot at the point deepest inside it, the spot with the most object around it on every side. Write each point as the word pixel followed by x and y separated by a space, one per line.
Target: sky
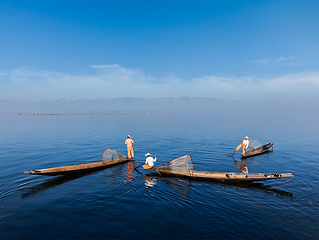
pixel 226 49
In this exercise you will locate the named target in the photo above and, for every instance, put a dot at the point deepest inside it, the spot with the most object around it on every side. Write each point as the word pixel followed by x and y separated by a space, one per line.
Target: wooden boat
pixel 183 167
pixel 109 158
pixel 256 148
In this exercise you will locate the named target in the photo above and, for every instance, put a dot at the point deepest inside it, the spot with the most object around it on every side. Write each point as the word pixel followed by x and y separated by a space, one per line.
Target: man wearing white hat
pixel 149 162
pixel 129 143
pixel 243 144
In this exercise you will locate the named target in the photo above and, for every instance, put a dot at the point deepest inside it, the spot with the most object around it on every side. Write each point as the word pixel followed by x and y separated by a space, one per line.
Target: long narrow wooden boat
pixel 109 158
pixel 256 148
pixel 183 167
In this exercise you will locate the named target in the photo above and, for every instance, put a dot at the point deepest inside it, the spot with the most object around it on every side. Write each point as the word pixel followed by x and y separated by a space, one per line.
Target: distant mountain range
pixel 165 104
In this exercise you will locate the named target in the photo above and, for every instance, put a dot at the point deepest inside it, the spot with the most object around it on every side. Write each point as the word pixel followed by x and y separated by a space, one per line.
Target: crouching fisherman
pixel 149 162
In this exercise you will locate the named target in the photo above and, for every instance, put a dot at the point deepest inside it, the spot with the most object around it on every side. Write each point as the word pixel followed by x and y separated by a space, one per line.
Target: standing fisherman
pixel 243 144
pixel 129 143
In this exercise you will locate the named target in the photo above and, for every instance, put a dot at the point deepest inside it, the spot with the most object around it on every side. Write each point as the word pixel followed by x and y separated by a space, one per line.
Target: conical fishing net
pixel 253 144
pixel 182 165
pixel 109 155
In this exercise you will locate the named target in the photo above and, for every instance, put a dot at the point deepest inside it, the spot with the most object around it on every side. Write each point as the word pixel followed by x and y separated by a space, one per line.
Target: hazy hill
pixel 183 104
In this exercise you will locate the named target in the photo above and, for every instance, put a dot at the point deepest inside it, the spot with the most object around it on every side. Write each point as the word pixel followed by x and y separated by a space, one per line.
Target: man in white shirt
pixel 149 162
pixel 243 144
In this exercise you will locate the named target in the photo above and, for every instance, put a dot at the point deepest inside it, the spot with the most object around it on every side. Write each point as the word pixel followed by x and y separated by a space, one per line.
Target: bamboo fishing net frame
pixel 181 165
pixel 253 144
pixel 110 154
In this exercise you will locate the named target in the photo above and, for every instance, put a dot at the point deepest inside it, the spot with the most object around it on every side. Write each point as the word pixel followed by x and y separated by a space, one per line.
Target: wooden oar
pixel 138 166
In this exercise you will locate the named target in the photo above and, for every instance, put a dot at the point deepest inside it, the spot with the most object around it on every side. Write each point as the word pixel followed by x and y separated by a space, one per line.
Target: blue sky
pixel 255 50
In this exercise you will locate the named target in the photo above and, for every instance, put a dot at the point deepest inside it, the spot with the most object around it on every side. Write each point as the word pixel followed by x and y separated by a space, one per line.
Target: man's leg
pixel 146 166
pixel 239 146
pixel 243 153
pixel 129 152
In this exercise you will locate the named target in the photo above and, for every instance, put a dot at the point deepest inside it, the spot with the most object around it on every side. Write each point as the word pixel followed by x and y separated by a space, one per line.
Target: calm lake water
pixel 117 203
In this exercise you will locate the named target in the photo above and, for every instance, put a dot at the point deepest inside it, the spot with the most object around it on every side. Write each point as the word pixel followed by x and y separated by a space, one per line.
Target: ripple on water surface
pixel 118 202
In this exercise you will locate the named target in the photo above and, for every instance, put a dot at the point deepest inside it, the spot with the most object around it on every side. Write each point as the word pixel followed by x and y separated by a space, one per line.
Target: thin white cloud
pixel 106 66
pixel 282 59
pixel 110 81
pixel 278 60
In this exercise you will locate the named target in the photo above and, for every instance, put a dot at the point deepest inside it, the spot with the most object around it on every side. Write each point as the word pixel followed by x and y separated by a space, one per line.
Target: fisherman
pixel 129 143
pixel 149 162
pixel 243 144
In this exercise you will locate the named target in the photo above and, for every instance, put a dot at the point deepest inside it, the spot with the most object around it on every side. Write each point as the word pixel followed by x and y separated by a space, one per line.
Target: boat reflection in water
pixel 51 182
pixel 180 185
pixel 59 180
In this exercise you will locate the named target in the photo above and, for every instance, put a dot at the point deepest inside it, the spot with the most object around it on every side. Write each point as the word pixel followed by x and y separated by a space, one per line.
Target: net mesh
pixel 110 154
pixel 253 144
pixel 179 165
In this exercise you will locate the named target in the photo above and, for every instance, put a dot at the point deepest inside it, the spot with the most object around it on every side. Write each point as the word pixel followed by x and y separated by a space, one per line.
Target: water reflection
pixel 52 182
pixel 179 185
pixel 241 167
pixel 149 181
pixel 59 180
pixel 259 187
pixel 129 173
pixel 183 185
